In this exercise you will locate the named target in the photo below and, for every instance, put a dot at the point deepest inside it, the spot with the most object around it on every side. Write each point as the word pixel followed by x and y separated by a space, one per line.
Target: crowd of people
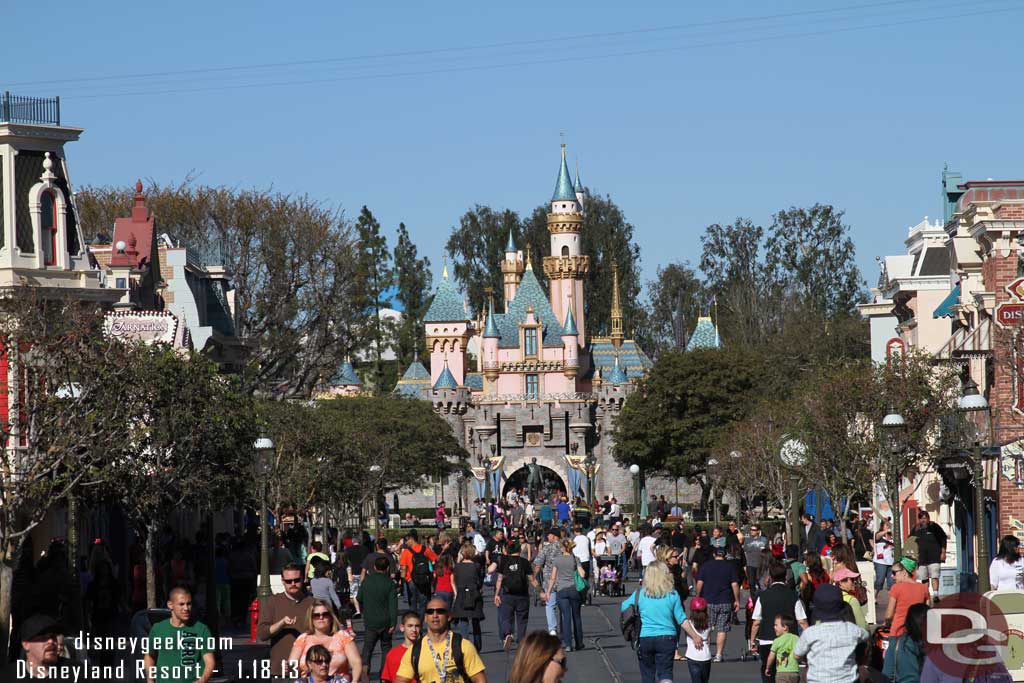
pixel 803 603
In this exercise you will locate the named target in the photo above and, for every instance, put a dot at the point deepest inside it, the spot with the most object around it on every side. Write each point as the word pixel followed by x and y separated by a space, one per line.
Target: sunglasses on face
pixel 319 662
pixel 291 581
pixel 436 610
pixel 321 615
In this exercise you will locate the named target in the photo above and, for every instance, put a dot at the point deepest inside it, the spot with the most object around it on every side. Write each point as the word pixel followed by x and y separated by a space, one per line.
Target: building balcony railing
pixel 536 398
pixel 39 110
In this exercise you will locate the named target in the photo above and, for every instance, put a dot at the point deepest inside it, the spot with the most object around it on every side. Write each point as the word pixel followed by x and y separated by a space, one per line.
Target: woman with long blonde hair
pixel 323 628
pixel 661 614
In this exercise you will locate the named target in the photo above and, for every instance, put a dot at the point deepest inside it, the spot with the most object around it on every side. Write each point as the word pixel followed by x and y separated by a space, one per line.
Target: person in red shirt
pixel 414 563
pixel 410 625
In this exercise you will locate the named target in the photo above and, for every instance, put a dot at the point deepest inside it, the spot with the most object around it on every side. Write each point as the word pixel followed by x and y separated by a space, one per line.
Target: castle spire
pixel 510 247
pixel 617 334
pixel 564 188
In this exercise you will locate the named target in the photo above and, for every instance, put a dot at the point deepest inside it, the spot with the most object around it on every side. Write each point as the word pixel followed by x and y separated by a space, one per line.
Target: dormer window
pixel 48 221
pixel 530 341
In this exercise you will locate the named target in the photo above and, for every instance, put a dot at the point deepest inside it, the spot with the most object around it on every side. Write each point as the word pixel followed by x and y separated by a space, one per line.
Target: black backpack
pixel 630 622
pixel 514 576
pixel 421 570
pixel 460 664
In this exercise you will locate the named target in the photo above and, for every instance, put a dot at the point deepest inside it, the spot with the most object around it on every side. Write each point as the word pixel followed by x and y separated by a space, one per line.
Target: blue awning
pixel 945 309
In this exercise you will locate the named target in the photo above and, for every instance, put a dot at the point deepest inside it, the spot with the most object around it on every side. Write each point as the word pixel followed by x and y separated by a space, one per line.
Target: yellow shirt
pixel 426 671
pixel 858 613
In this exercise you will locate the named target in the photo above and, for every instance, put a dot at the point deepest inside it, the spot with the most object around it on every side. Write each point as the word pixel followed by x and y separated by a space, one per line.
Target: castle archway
pixel 551 482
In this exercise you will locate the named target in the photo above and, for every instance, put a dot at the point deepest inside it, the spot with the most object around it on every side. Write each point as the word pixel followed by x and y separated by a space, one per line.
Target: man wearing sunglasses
pixel 43 640
pixel 441 656
pixel 281 617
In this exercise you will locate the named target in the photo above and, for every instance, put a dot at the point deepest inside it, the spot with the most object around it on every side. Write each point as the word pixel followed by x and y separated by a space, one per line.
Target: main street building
pixel 538 385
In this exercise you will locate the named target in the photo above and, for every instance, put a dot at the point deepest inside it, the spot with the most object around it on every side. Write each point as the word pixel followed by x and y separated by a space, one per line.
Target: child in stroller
pixel 609 569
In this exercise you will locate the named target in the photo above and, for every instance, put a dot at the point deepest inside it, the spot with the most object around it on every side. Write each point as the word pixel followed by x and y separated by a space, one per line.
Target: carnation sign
pixel 151 327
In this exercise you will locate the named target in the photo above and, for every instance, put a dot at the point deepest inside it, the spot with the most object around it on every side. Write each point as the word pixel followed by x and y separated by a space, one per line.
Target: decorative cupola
pixel 40 239
pixel 579 186
pixel 490 346
pixel 617 334
pixel 446 380
pixel 511 270
pixel 570 346
pixel 618 374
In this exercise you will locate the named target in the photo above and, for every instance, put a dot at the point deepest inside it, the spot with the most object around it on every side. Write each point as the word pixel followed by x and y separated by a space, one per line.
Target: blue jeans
pixel 572 620
pixel 549 611
pixel 513 609
pixel 883 574
pixel 655 654
pixel 417 601
pixel 462 627
pixel 700 672
pixel 446 596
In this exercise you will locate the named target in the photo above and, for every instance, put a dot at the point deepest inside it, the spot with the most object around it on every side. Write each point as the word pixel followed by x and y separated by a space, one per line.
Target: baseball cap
pixel 845 573
pixel 39 625
pixel 828 602
pixel 908 563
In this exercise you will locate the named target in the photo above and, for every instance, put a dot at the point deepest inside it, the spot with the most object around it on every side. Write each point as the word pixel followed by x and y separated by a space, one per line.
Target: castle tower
pixel 448 329
pixel 579 185
pixel 566 267
pixel 490 348
pixel 511 270
pixel 570 346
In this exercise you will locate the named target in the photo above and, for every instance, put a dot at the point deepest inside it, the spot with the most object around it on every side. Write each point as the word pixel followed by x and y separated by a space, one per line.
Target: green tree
pixel 414 280
pixel 810 252
pixel 187 443
pixel 677 298
pixel 477 247
pixel 66 384
pixel 683 408
pixel 292 262
pixel 376 275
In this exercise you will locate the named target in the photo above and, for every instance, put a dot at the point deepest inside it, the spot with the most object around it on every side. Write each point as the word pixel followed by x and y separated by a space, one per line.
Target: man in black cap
pixel 42 638
pixel 830 646
pixel 718 583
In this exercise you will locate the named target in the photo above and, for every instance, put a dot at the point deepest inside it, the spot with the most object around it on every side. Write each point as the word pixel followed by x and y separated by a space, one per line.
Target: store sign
pixel 1010 314
pixel 146 326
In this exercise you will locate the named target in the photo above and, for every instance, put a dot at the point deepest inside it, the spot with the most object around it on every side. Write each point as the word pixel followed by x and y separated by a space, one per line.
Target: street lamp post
pixel 794 456
pixel 893 424
pixel 634 469
pixel 973 402
pixel 263 447
pixel 374 469
pixel 712 465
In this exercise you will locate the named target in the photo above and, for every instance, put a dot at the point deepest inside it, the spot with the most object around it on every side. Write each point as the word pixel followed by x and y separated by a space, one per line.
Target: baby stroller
pixel 608 575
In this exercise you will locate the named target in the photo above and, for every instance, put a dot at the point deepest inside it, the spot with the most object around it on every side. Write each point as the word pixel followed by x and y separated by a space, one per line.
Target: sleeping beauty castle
pixel 537 387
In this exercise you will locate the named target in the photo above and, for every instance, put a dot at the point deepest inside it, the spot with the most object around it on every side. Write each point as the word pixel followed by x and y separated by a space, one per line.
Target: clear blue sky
pixel 685 126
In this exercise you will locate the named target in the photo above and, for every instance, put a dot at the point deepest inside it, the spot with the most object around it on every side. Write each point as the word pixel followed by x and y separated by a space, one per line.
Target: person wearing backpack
pixel 415 567
pixel 441 656
pixel 512 595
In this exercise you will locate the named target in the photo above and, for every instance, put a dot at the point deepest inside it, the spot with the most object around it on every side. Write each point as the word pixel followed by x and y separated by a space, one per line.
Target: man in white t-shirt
pixel 615 514
pixel 581 549
pixel 646 545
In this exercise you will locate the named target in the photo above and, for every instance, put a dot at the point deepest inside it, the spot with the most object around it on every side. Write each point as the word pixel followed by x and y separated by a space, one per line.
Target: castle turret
pixel 617 334
pixel 566 267
pixel 511 270
pixel 570 346
pixel 448 329
pixel 490 346
pixel 579 186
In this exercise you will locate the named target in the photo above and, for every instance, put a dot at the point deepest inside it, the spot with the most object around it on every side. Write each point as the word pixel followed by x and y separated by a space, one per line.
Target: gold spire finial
pixel 444 268
pixel 529 260
pixel 617 334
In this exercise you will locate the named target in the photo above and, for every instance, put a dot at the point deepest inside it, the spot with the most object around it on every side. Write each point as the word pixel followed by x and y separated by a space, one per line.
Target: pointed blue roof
pixel 634 361
pixel 511 246
pixel 490 327
pixel 569 329
pixel 617 376
pixel 579 179
pixel 346 376
pixel 705 335
pixel 564 188
pixel 529 294
pixel 416 371
pixel 415 380
pixel 446 380
pixel 447 304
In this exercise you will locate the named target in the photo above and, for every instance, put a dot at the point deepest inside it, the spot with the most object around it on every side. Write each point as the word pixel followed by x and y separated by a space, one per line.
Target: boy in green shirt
pixel 179 651
pixel 787 669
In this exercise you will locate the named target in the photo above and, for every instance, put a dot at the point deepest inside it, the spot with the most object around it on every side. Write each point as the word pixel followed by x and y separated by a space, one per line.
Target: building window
pixel 49 231
pixel 532 385
pixel 530 341
pixel 122 283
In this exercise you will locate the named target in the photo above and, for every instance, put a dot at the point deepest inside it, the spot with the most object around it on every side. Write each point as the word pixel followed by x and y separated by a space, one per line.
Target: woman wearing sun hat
pixel 905 592
pixel 846 580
